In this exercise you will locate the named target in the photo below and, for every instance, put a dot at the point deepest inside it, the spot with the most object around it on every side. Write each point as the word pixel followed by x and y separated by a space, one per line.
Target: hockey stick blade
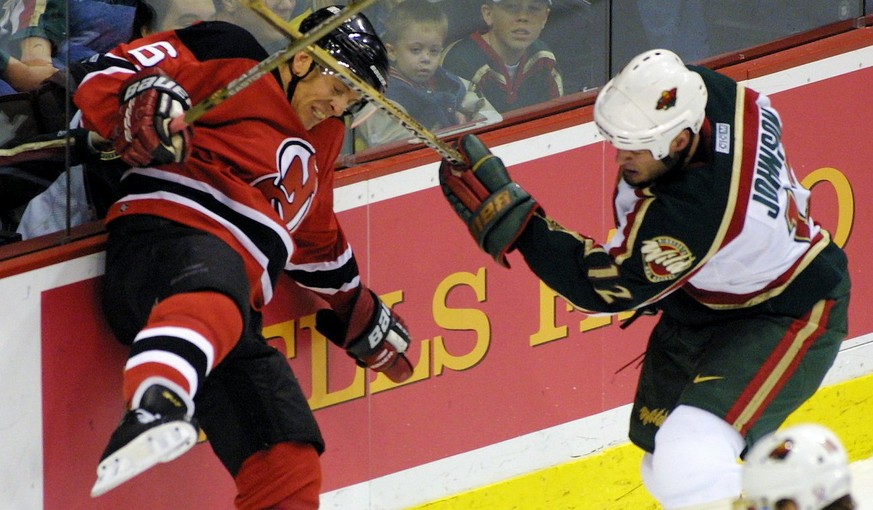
pixel 266 66
pixel 357 84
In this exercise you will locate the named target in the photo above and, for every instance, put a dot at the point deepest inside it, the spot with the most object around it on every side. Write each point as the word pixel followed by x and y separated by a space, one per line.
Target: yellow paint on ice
pixel 611 480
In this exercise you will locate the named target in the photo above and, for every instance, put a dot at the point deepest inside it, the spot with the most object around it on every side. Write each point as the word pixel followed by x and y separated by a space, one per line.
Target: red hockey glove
pixel 380 346
pixel 495 209
pixel 149 101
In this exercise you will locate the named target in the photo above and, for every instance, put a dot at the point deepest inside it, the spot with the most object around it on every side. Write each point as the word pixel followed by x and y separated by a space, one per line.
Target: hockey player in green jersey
pixel 713 232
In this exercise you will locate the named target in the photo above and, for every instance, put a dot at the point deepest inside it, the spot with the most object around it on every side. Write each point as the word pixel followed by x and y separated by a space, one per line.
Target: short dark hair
pixel 844 503
pixel 143 19
pixel 413 11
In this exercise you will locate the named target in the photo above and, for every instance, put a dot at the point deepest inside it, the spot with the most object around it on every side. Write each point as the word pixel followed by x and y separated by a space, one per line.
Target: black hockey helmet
pixel 354 44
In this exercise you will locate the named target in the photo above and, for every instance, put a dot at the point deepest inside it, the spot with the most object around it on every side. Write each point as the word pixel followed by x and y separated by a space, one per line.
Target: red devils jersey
pixel 255 178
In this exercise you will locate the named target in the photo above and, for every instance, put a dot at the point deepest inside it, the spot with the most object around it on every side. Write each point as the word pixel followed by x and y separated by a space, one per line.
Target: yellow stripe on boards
pixel 611 480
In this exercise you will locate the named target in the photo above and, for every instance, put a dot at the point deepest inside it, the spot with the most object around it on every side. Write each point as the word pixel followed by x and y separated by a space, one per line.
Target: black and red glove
pixel 495 209
pixel 150 100
pixel 381 343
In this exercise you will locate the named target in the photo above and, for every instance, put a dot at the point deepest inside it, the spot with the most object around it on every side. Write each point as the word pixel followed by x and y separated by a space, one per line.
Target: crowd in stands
pixel 456 64
pixel 415 34
pixel 45 47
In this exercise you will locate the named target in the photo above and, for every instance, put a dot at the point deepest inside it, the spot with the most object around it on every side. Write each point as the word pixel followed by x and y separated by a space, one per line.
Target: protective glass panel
pixel 456 65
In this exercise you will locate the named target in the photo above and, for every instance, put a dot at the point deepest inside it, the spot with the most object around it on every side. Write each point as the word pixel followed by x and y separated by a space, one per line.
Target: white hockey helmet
pixel 649 102
pixel 804 463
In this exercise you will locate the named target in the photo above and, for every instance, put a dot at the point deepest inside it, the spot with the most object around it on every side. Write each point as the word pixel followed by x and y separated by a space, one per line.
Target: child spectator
pixel 509 64
pixel 415 37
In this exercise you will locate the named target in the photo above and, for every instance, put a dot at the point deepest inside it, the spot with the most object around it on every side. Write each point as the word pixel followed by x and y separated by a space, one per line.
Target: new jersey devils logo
pixel 292 188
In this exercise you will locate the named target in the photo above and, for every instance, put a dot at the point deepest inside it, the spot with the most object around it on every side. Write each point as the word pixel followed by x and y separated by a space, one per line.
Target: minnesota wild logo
pixel 665 258
pixel 667 99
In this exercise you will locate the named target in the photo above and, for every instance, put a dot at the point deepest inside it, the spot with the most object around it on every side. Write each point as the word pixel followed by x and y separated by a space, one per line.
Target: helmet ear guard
pixel 649 102
pixel 805 463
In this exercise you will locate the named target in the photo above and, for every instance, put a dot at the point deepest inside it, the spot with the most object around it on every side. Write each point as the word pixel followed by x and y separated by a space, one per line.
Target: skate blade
pixel 160 444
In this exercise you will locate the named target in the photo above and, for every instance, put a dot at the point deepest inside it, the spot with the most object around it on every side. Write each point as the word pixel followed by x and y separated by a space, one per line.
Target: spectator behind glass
pixel 801 467
pixel 36 33
pixel 235 12
pixel 508 64
pixel 93 181
pixel 415 37
pixel 27 28
pixel 96 26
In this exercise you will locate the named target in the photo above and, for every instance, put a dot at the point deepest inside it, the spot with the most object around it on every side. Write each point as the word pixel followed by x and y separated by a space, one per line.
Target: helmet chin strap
pixel 292 85
pixel 672 162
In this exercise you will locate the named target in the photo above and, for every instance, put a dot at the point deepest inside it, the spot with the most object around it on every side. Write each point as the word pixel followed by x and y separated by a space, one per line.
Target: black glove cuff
pixel 328 323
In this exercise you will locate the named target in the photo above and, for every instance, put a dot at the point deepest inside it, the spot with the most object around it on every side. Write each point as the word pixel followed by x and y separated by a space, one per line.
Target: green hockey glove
pixel 495 209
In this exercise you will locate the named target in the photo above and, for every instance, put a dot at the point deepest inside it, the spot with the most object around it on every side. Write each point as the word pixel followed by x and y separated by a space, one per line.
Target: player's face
pixel 320 95
pixel 639 168
pixel 516 24
pixel 416 54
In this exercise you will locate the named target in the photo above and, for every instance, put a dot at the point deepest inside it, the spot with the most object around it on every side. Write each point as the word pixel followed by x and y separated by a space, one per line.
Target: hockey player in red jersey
pixel 210 217
pixel 713 231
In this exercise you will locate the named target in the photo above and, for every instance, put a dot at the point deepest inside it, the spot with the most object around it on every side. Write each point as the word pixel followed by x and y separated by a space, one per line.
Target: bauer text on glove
pixel 495 209
pixel 380 346
pixel 150 100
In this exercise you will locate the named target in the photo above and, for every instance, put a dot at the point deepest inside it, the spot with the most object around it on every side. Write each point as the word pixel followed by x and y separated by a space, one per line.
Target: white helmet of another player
pixel 646 105
pixel 804 463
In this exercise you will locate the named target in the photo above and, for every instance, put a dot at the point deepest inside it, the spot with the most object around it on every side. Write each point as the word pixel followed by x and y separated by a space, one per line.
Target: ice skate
pixel 159 430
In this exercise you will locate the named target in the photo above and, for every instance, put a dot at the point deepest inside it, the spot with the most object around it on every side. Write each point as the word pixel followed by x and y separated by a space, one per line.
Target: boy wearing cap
pixel 508 63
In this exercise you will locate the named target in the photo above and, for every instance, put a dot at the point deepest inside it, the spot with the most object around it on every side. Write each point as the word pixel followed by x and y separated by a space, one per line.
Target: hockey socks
pixel 285 477
pixel 186 336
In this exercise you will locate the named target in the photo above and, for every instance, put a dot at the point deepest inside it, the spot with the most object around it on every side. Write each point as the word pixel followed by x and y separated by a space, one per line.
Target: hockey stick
pixel 75 145
pixel 357 84
pixel 18 153
pixel 267 65
pixel 19 150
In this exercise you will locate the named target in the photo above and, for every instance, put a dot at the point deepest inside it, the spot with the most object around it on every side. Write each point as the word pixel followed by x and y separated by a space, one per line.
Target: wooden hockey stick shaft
pixel 267 65
pixel 357 84
pixel 36 146
pixel 219 96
